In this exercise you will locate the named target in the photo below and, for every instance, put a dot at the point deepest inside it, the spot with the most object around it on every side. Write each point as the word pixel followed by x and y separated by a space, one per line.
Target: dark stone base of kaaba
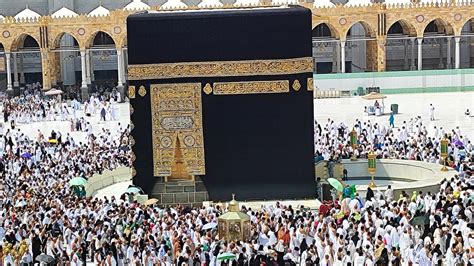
pixel 186 193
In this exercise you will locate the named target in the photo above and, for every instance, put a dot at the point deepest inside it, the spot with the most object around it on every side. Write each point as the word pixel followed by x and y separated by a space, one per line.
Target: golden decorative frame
pixel 296 85
pixel 251 87
pixel 221 68
pixel 142 91
pixel 176 112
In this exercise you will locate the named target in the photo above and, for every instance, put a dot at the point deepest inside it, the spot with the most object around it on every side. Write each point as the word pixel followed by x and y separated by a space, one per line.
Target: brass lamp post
pixel 372 167
pixel 353 139
pixel 444 153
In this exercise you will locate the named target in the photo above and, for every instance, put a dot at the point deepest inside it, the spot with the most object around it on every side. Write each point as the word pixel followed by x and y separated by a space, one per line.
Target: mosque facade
pixel 79 43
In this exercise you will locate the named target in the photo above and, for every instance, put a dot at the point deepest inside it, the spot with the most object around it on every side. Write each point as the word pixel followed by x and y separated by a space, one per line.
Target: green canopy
pixel 78 181
pixel 227 256
pixel 336 184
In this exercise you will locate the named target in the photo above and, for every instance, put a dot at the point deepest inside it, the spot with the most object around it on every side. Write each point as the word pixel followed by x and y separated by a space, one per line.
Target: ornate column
pixel 381 54
pixel 449 65
pixel 84 88
pixel 457 52
pixel 9 72
pixel 337 46
pixel 412 65
pixel 22 70
pixel 88 67
pixel 343 56
pixel 420 53
pixel 16 84
pixel 46 69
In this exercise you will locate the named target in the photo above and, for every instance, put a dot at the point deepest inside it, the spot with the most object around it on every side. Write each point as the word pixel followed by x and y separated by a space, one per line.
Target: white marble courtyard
pixel 449 110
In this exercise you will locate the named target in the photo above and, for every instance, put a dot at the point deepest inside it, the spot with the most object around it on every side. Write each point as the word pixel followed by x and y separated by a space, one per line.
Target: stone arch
pixel 406 27
pixel 465 32
pixel 458 31
pixel 398 53
pixel 19 41
pixel 438 25
pixel 369 30
pixel 57 39
pixel 323 26
pixel 435 44
pixel 90 40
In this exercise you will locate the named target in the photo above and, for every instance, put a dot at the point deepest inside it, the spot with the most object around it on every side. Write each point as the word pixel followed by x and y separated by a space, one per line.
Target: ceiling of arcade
pixel 376 19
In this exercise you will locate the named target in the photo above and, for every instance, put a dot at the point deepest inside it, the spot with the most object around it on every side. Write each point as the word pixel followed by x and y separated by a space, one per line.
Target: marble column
pixel 9 71
pixel 83 69
pixel 420 53
pixel 88 67
pixel 457 52
pixel 120 71
pixel 84 88
pixel 343 56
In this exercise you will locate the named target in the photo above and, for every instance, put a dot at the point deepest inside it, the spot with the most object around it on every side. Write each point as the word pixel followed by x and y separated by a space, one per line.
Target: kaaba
pixel 221 103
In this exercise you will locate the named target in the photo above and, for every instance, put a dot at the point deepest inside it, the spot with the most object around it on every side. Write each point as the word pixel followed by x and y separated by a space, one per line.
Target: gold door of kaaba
pixel 178 145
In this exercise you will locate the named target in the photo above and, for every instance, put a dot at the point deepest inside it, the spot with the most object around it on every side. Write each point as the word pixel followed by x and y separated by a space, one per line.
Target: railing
pixel 108 178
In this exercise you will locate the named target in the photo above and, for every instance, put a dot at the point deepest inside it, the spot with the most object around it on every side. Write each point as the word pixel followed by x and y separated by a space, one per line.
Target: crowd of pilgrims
pixel 41 214
pixel 32 107
pixel 411 140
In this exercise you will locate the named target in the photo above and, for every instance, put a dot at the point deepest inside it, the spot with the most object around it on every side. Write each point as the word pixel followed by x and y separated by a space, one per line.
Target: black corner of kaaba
pixel 222 103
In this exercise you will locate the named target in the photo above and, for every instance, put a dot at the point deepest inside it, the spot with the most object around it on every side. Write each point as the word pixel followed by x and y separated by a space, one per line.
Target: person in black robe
pixel 35 245
pixel 369 195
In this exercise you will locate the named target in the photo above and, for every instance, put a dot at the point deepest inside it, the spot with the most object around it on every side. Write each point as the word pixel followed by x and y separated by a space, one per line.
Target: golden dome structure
pixel 234 225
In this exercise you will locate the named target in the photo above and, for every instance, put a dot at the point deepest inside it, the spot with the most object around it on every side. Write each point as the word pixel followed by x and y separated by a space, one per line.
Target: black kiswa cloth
pixel 219 35
pixel 258 146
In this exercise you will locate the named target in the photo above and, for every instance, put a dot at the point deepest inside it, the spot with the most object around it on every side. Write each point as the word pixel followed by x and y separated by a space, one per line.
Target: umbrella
pixel 53 92
pixel 374 96
pixel 45 258
pixel 78 181
pixel 26 155
pixel 336 184
pixel 419 220
pixel 54 141
pixel 458 143
pixel 226 256
pixel 20 204
pixel 208 226
pixel 134 190
pixel 151 201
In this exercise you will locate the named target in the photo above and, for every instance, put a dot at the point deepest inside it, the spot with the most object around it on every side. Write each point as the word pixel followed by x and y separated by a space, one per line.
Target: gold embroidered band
pixel 220 68
pixel 251 87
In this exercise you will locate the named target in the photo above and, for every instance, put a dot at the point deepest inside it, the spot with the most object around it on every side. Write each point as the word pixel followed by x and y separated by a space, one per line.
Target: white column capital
pixel 343 43
pixel 457 39
pixel 419 40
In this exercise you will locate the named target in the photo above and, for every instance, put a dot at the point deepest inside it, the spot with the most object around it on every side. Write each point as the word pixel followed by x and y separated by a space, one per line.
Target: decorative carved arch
pixel 334 32
pixel 458 30
pixel 59 36
pixel 369 30
pixel 408 28
pixel 19 41
pixel 442 25
pixel 90 39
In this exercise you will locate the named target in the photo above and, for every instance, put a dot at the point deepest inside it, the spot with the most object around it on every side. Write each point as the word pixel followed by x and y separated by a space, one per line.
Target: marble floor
pixel 449 110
